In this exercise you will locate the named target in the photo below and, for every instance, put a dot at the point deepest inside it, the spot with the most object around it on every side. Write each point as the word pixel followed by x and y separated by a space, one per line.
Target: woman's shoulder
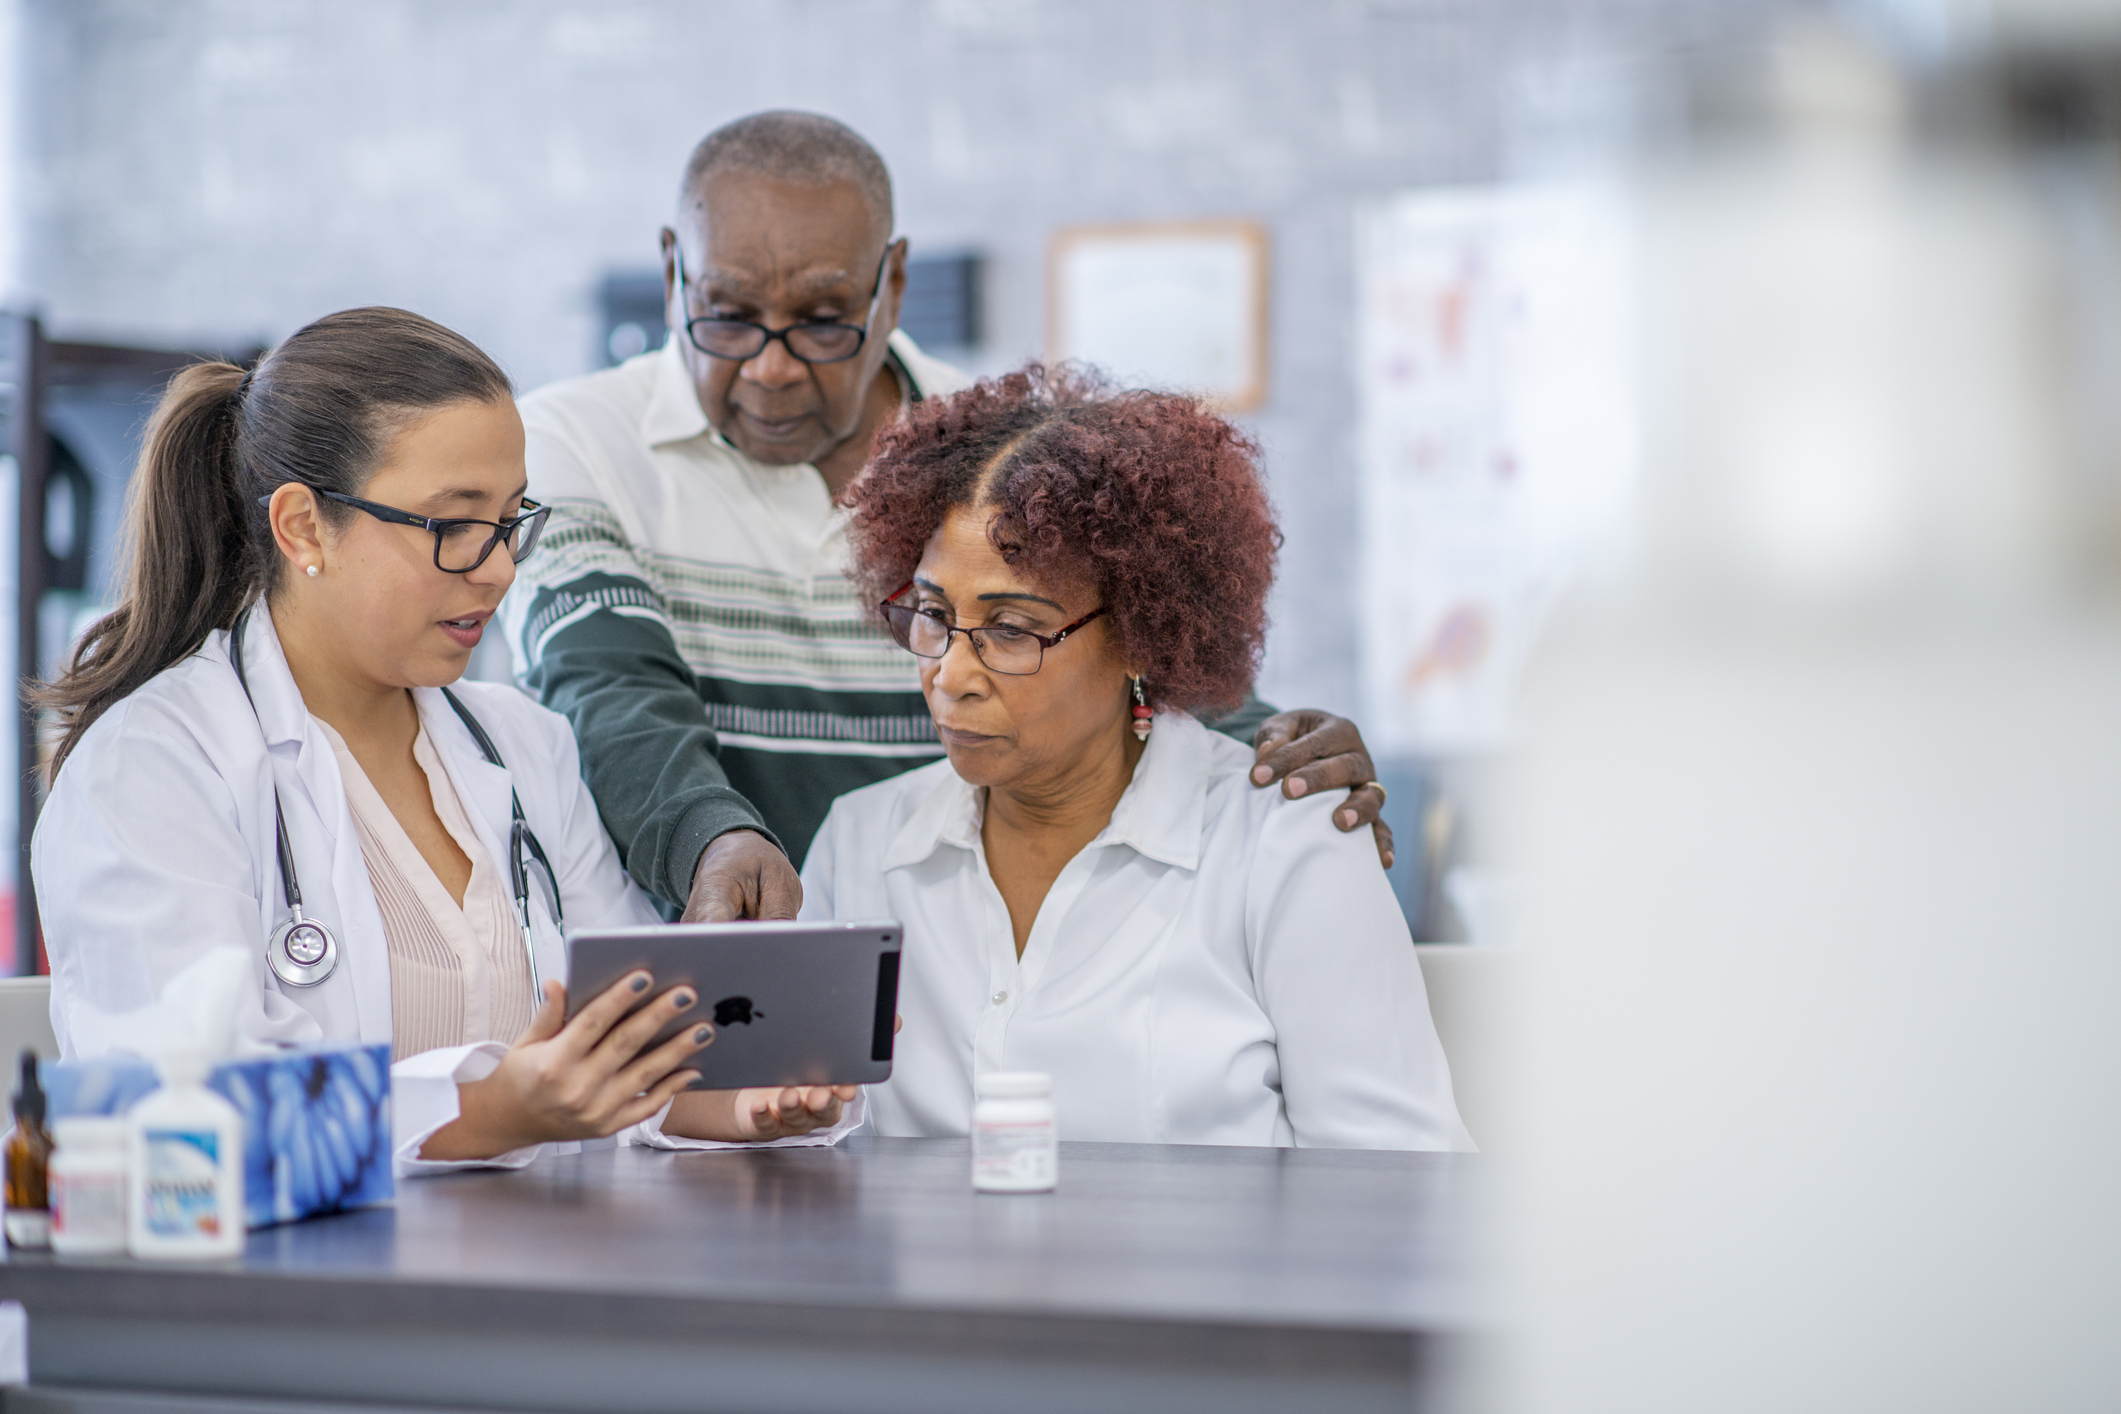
pixel 191 701
pixel 1239 813
pixel 1227 764
pixel 1226 755
pixel 184 734
pixel 872 814
pixel 895 794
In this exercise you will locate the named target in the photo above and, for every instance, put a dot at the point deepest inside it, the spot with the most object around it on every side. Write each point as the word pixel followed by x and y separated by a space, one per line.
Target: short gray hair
pixel 807 148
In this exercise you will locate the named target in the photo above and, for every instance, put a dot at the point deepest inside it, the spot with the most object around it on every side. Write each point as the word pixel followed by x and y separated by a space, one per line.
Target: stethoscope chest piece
pixel 302 951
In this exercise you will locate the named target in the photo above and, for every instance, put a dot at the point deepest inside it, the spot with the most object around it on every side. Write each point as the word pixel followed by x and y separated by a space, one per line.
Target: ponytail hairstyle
pixel 198 550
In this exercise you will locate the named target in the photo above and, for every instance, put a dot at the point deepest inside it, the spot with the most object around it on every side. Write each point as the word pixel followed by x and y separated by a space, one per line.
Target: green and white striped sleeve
pixel 593 639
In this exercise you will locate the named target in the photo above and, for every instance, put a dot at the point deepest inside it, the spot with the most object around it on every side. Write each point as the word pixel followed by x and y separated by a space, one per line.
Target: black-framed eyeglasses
pixel 1004 648
pixel 740 340
pixel 461 545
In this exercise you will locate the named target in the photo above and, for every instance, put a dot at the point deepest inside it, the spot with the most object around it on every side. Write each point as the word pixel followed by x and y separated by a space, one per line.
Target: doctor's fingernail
pixel 640 982
pixel 703 1035
pixel 1347 817
pixel 1298 785
pixel 1262 774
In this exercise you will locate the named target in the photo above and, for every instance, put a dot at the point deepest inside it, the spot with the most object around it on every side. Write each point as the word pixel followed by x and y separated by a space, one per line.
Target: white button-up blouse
pixel 1217 967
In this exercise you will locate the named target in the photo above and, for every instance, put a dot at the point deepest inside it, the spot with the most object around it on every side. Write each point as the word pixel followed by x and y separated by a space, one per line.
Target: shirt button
pixel 1000 997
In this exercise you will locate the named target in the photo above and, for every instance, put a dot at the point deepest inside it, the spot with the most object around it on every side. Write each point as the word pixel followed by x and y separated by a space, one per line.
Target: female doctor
pixel 258 751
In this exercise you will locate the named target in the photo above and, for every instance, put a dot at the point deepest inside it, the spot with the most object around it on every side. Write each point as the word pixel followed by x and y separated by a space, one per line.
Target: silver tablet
pixel 791 1003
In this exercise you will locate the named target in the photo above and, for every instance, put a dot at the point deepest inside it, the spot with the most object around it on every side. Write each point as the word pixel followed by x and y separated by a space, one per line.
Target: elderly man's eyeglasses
pixel 741 339
pixel 1012 651
pixel 461 546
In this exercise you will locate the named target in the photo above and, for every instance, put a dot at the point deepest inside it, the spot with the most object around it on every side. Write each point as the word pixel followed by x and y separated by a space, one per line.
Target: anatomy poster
pixel 1494 357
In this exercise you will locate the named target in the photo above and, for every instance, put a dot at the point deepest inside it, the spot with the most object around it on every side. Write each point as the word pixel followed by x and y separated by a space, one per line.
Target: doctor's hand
pixel 584 1079
pixel 1318 751
pixel 749 1116
pixel 742 874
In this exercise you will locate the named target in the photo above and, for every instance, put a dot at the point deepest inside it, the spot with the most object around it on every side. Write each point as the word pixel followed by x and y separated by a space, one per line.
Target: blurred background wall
pixel 214 174
pixel 209 176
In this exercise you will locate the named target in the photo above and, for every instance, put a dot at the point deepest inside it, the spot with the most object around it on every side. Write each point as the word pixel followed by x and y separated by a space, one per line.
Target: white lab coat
pixel 157 845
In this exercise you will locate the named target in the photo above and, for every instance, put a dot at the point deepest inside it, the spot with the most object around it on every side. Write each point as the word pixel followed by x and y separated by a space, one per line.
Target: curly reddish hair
pixel 1148 495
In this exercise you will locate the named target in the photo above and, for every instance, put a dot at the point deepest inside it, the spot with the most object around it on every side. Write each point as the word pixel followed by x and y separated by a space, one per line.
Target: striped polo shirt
pixel 688 611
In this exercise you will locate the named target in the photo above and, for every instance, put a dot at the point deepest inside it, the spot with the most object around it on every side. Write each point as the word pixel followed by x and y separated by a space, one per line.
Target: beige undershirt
pixel 457 974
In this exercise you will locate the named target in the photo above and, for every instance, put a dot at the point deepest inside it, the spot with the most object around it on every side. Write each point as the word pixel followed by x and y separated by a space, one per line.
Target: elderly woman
pixel 1089 885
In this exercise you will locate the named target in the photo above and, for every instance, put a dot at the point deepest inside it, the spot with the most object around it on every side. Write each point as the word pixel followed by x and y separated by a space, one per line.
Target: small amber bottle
pixel 29 1152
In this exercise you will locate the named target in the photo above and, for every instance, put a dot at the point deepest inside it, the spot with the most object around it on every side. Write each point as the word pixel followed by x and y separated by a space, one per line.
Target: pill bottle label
pixel 1016 1158
pixel 88 1207
pixel 180 1171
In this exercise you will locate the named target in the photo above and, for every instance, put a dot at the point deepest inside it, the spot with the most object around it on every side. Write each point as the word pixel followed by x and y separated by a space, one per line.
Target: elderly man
pixel 688 610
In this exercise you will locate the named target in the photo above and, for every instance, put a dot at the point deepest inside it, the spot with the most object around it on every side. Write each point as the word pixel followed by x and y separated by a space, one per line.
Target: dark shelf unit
pixel 82 479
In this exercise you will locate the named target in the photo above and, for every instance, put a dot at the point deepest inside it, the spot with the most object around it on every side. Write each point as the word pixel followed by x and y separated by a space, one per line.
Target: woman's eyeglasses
pixel 1015 652
pixel 461 546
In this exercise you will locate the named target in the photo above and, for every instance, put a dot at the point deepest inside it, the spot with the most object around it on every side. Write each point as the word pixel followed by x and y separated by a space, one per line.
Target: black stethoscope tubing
pixel 301 951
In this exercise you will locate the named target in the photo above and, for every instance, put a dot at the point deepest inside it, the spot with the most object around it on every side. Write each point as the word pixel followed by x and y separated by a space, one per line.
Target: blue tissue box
pixel 316 1123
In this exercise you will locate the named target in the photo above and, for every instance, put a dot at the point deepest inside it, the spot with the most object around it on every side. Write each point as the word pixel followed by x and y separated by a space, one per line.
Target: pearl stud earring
pixel 312 571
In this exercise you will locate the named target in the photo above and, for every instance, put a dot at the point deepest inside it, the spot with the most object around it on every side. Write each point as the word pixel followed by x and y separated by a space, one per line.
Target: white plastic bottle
pixel 1015 1146
pixel 88 1185
pixel 186 1159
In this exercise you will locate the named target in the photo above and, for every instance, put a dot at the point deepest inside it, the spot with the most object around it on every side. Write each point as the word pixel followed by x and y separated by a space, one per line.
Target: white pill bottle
pixel 186 1158
pixel 88 1186
pixel 1015 1145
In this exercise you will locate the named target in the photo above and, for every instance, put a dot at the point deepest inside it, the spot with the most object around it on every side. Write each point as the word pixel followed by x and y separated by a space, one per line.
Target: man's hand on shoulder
pixel 1307 751
pixel 742 874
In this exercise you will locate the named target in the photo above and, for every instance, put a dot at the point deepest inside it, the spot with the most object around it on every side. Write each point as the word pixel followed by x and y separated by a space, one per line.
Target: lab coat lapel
pixel 486 792
pixel 364 953
pixel 282 714
pixel 481 785
pixel 327 849
pixel 290 734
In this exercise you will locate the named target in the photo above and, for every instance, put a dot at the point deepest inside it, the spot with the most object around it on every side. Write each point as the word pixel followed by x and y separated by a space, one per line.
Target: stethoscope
pixel 302 952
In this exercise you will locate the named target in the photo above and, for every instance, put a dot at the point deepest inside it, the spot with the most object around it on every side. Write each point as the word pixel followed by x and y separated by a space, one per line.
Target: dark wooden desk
pixel 869 1278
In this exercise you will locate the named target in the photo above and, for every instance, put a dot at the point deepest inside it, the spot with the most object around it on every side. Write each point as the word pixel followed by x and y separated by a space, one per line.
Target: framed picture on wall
pixel 1164 304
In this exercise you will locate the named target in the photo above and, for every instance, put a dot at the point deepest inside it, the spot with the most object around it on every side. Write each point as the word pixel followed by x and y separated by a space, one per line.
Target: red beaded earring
pixel 1142 714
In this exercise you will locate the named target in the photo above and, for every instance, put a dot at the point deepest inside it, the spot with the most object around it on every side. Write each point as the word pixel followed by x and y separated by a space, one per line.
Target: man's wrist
pixel 708 848
pixel 719 813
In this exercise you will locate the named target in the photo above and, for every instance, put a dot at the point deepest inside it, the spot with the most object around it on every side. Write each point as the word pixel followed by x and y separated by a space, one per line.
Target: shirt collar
pixel 897 347
pixel 949 815
pixel 674 413
pixel 282 715
pixel 1159 815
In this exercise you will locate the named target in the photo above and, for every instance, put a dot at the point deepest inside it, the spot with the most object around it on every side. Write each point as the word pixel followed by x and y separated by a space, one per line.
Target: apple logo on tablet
pixel 734 1009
